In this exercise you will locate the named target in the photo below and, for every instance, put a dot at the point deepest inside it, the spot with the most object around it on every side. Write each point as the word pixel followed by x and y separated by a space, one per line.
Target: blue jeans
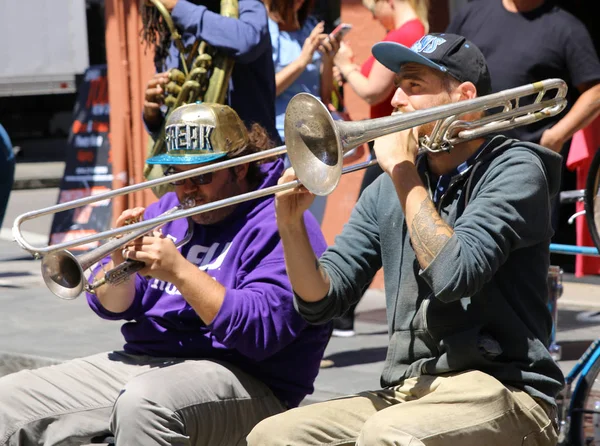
pixel 7 170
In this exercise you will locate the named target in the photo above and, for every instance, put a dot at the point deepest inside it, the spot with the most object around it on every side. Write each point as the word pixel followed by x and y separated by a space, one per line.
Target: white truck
pixel 45 46
pixel 44 54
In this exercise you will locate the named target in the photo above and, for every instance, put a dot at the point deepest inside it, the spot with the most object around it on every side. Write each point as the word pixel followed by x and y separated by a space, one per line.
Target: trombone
pixel 315 145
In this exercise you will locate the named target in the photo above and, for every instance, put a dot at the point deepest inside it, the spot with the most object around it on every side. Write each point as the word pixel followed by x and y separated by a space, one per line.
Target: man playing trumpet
pixel 212 342
pixel 463 238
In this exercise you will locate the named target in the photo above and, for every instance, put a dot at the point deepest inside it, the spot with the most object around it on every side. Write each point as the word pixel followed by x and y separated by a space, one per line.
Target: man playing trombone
pixel 463 238
pixel 213 344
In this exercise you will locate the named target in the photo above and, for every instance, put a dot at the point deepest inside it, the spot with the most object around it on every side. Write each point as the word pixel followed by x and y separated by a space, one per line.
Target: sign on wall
pixel 88 168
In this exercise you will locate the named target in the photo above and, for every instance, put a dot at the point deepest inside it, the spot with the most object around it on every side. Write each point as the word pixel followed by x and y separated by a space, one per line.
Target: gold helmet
pixel 199 133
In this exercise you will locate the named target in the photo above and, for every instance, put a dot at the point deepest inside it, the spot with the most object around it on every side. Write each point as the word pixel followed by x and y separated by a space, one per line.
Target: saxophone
pixel 204 77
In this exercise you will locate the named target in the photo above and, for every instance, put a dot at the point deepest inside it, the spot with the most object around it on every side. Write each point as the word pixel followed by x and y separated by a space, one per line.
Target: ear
pixel 467 90
pixel 241 171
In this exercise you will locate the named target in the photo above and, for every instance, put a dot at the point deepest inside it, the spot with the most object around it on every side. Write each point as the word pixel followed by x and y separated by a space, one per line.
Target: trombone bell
pixel 313 142
pixel 63 274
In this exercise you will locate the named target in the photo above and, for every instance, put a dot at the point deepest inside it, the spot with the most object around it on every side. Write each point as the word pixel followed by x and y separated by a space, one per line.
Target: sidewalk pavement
pixel 38 175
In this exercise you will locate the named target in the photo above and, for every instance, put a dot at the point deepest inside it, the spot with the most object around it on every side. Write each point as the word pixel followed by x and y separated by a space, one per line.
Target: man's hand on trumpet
pixel 159 253
pixel 127 217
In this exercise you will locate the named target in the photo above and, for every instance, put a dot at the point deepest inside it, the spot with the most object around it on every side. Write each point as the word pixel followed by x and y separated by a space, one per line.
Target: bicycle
pixel 579 401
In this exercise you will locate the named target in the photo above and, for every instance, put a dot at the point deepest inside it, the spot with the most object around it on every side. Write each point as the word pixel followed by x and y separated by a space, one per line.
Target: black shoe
pixel 343 327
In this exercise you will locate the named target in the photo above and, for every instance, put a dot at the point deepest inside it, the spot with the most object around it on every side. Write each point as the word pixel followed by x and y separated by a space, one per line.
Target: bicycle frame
pixel 577 373
pixel 581 368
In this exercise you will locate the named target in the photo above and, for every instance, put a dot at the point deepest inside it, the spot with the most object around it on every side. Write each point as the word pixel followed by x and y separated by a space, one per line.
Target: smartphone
pixel 340 31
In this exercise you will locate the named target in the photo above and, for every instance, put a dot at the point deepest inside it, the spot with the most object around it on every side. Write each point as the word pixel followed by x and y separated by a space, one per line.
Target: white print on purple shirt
pixel 198 255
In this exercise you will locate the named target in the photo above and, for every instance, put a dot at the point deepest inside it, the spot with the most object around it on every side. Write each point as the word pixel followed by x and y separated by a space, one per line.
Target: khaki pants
pixel 465 409
pixel 143 400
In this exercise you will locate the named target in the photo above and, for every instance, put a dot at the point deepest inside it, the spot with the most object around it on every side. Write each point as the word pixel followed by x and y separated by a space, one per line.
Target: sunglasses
pixel 198 180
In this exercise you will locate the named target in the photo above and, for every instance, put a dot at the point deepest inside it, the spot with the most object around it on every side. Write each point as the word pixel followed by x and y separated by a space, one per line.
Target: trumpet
pixel 315 145
pixel 64 273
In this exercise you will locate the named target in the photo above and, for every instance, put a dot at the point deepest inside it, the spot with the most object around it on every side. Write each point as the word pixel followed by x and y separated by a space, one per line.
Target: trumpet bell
pixel 63 274
pixel 314 145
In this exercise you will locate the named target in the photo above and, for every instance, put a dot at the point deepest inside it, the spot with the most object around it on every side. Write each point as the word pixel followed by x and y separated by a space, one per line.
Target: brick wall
pixel 366 31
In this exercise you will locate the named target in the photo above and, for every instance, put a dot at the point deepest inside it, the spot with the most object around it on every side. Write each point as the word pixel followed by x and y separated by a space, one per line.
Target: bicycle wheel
pixel 592 199
pixel 585 411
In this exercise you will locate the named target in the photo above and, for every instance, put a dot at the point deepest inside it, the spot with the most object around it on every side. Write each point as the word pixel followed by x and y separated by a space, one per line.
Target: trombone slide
pixel 316 145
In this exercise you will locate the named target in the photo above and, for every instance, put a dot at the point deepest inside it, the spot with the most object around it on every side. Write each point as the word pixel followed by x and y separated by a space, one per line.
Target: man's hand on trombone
pixel 309 280
pixel 117 298
pixel 291 204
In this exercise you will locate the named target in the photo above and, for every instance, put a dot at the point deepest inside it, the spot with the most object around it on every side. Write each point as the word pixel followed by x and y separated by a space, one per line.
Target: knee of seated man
pixel 139 395
pixel 11 388
pixel 145 393
pixel 275 430
pixel 381 429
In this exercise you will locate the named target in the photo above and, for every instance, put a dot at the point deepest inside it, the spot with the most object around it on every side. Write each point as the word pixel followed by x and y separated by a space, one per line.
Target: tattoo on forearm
pixel 429 233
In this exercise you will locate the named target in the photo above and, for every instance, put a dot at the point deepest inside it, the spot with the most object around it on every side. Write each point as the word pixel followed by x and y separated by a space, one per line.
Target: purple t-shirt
pixel 257 328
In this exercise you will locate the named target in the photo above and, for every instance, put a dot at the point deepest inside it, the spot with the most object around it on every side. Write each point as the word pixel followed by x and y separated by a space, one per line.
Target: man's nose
pixel 400 99
pixel 189 186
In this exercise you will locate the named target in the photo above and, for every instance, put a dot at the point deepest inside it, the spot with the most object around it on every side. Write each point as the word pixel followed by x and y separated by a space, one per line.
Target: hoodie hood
pixel 270 174
pixel 552 162
pixel 496 146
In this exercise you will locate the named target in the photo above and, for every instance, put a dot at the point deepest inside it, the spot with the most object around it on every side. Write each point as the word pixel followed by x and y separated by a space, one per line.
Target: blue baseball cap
pixel 448 53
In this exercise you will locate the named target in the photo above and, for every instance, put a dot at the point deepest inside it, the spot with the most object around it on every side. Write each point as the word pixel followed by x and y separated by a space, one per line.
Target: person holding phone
pixel 303 57
pixel 406 22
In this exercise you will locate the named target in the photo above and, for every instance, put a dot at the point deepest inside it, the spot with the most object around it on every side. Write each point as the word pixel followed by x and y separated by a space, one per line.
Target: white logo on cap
pixel 427 44
pixel 188 137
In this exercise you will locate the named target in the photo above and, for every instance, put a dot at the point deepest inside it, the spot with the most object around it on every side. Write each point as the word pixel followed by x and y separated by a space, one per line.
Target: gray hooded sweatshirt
pixel 482 302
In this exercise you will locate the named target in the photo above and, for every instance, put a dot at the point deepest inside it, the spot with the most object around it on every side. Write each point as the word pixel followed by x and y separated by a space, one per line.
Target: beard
pixel 213 217
pixel 427 128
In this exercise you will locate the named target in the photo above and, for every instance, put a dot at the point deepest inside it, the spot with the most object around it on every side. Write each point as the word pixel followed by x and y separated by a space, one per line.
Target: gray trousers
pixel 142 400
